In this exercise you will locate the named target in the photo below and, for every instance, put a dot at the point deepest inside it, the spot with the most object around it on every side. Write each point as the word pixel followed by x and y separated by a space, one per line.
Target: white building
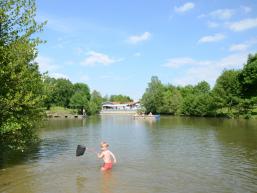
pixel 114 106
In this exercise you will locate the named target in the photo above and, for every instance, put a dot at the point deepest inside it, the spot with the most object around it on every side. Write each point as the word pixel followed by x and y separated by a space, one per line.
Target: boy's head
pixel 104 145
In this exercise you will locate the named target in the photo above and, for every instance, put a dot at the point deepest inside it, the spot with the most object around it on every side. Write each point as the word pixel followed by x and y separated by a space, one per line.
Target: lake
pixel 173 154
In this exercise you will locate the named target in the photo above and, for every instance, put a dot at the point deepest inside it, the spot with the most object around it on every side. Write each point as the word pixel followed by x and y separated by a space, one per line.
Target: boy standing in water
pixel 107 156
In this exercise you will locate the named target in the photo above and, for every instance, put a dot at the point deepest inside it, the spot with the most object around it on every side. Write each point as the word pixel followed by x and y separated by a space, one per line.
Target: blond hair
pixel 104 144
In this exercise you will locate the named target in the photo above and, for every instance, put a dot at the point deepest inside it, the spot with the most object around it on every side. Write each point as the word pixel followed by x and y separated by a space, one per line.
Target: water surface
pixel 170 155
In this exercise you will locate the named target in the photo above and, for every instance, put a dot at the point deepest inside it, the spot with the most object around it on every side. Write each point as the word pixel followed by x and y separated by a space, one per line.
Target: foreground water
pixel 171 155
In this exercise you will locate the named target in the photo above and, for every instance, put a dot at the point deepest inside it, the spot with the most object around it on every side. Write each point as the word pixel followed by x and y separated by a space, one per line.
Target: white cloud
pixel 238 47
pixel 244 24
pixel 186 7
pixel 46 64
pixel 95 58
pixel 58 75
pixel 219 14
pixel 242 46
pixel 212 24
pixel 196 74
pixel 208 70
pixel 222 14
pixel 179 62
pixel 211 38
pixel 234 61
pixel 139 38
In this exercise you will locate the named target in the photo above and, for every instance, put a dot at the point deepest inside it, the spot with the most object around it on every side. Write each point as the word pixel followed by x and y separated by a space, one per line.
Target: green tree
pixel 80 98
pixel 186 90
pixel 226 91
pixel 120 98
pixel 21 87
pixel 202 87
pixel 248 84
pixel 172 101
pixel 197 105
pixel 153 96
pixel 248 77
pixel 49 86
pixel 83 88
pixel 62 92
pixel 95 104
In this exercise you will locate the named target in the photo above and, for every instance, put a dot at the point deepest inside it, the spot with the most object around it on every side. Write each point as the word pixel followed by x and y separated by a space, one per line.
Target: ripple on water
pixel 172 155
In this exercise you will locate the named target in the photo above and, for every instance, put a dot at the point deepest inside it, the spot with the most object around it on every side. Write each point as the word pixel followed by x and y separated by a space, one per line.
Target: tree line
pixel 234 94
pixel 61 92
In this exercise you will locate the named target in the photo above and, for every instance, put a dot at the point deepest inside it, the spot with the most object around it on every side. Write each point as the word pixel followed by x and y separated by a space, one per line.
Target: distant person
pixel 150 114
pixel 107 155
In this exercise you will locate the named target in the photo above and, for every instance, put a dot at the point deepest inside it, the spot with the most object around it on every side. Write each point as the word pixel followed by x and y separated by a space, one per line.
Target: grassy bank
pixel 61 111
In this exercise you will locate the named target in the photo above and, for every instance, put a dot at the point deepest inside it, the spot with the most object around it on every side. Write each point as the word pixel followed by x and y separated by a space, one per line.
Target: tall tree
pixel 172 101
pixel 49 86
pixel 248 77
pixel 202 87
pixel 80 98
pixel 226 91
pixel 95 103
pixel 152 98
pixel 83 88
pixel 21 93
pixel 63 90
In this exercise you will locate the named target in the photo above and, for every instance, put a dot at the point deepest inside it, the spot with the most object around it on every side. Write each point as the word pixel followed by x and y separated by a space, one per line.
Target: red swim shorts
pixel 107 166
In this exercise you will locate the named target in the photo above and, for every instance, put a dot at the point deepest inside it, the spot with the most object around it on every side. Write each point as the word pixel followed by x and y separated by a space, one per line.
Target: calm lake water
pixel 173 154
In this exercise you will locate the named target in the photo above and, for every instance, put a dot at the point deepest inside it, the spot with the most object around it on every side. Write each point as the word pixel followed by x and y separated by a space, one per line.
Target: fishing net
pixel 80 150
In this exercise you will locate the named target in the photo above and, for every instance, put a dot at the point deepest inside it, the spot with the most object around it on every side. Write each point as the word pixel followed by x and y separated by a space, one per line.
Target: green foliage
pixel 79 99
pixel 120 98
pixel 202 87
pixel 95 104
pixel 21 93
pixel 83 88
pixel 197 105
pixel 62 92
pixel 248 77
pixel 49 86
pixel 226 91
pixel 172 100
pixel 152 99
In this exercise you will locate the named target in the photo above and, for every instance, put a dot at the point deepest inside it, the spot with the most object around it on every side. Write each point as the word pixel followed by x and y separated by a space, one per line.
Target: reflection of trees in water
pixel 238 146
pixel 58 124
pixel 240 135
pixel 46 148
pixel 52 147
pixel 11 158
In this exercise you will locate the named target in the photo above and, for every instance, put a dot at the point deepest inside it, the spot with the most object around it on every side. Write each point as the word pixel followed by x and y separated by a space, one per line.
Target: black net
pixel 80 150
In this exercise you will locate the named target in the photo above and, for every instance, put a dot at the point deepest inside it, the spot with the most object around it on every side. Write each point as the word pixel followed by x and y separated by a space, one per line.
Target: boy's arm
pixel 100 155
pixel 114 158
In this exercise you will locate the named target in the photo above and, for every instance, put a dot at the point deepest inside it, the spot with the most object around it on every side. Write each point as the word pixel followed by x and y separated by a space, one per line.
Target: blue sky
pixel 116 46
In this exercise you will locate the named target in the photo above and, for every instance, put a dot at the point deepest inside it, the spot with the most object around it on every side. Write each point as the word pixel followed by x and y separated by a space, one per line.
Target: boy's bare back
pixel 108 156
